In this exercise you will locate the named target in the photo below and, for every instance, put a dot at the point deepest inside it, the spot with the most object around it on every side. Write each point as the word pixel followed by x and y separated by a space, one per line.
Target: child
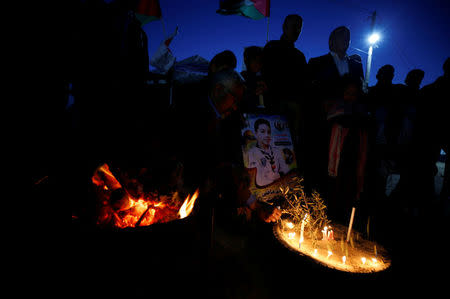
pixel 253 79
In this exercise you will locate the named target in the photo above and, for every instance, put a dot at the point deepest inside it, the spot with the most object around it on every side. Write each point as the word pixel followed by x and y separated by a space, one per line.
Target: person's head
pixel 226 90
pixel 446 67
pixel 253 58
pixel 339 40
pixel 263 132
pixel 385 74
pixel 222 60
pixel 414 78
pixel 352 93
pixel 292 27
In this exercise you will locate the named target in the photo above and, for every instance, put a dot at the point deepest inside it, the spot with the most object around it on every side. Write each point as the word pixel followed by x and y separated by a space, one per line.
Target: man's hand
pixel 268 213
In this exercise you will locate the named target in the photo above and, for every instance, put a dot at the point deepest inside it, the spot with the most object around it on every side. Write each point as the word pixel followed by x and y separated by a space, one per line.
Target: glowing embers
pixel 119 208
pixel 359 255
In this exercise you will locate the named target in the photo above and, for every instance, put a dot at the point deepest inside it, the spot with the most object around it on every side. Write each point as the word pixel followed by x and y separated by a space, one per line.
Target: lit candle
pixel 301 230
pixel 291 235
pixel 344 258
pixel 363 259
pixel 329 253
pixel 330 235
pixel 324 233
pixel 315 252
pixel 290 225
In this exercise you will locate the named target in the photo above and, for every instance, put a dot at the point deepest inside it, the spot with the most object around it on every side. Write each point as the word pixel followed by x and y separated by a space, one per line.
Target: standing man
pixel 330 74
pixel 285 73
pixel 328 70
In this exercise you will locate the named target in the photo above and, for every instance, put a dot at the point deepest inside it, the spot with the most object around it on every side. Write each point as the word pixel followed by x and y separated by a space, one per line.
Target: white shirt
pixel 266 173
pixel 341 64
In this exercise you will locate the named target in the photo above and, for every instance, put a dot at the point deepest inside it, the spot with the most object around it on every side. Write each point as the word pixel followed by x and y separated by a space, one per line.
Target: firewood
pixel 138 223
pixel 119 200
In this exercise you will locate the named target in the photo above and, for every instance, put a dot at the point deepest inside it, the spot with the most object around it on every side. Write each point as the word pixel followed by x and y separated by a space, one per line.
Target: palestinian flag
pixel 148 11
pixel 253 9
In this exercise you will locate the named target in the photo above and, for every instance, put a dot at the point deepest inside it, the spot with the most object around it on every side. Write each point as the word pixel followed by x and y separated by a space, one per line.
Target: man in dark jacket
pixel 284 66
pixel 327 70
pixel 285 73
pixel 329 74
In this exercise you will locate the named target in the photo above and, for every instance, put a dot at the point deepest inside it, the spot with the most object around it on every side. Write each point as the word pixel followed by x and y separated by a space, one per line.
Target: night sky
pixel 415 33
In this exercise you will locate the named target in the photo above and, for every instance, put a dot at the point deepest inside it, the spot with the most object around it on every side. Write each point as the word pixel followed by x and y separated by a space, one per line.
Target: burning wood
pixel 120 207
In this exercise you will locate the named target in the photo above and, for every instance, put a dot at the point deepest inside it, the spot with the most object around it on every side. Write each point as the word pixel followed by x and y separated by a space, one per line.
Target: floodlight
pixel 374 38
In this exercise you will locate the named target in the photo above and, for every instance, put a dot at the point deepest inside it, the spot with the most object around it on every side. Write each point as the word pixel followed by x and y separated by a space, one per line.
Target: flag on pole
pixel 163 59
pixel 148 11
pixel 253 9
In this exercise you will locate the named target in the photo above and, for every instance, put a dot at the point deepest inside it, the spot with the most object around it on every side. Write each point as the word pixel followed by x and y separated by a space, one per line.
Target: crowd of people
pixel 348 137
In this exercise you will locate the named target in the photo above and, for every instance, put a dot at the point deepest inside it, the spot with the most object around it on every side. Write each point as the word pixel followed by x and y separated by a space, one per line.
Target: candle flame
pixel 343 259
pixel 291 235
pixel 324 232
pixel 329 253
pixel 374 260
pixel 363 259
pixel 290 225
pixel 315 252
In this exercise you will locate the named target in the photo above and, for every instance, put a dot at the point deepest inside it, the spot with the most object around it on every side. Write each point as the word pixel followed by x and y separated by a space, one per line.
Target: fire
pixel 120 209
pixel 188 205
pixel 103 176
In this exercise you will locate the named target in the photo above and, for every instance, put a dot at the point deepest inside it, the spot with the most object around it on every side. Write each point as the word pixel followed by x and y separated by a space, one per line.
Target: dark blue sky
pixel 415 33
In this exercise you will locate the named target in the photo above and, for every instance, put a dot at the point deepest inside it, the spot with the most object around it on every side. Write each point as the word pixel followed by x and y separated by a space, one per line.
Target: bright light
pixel 374 38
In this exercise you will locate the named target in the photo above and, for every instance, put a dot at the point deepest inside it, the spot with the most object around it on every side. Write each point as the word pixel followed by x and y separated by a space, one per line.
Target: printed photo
pixel 267 147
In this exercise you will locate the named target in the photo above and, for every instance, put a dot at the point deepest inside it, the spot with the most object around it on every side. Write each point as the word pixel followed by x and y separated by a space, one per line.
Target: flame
pixel 324 233
pixel 290 225
pixel 188 205
pixel 131 212
pixel 344 258
pixel 104 177
pixel 363 260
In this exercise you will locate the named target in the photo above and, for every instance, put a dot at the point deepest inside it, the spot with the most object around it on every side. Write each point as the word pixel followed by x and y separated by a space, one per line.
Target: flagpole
pixel 163 27
pixel 267 37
